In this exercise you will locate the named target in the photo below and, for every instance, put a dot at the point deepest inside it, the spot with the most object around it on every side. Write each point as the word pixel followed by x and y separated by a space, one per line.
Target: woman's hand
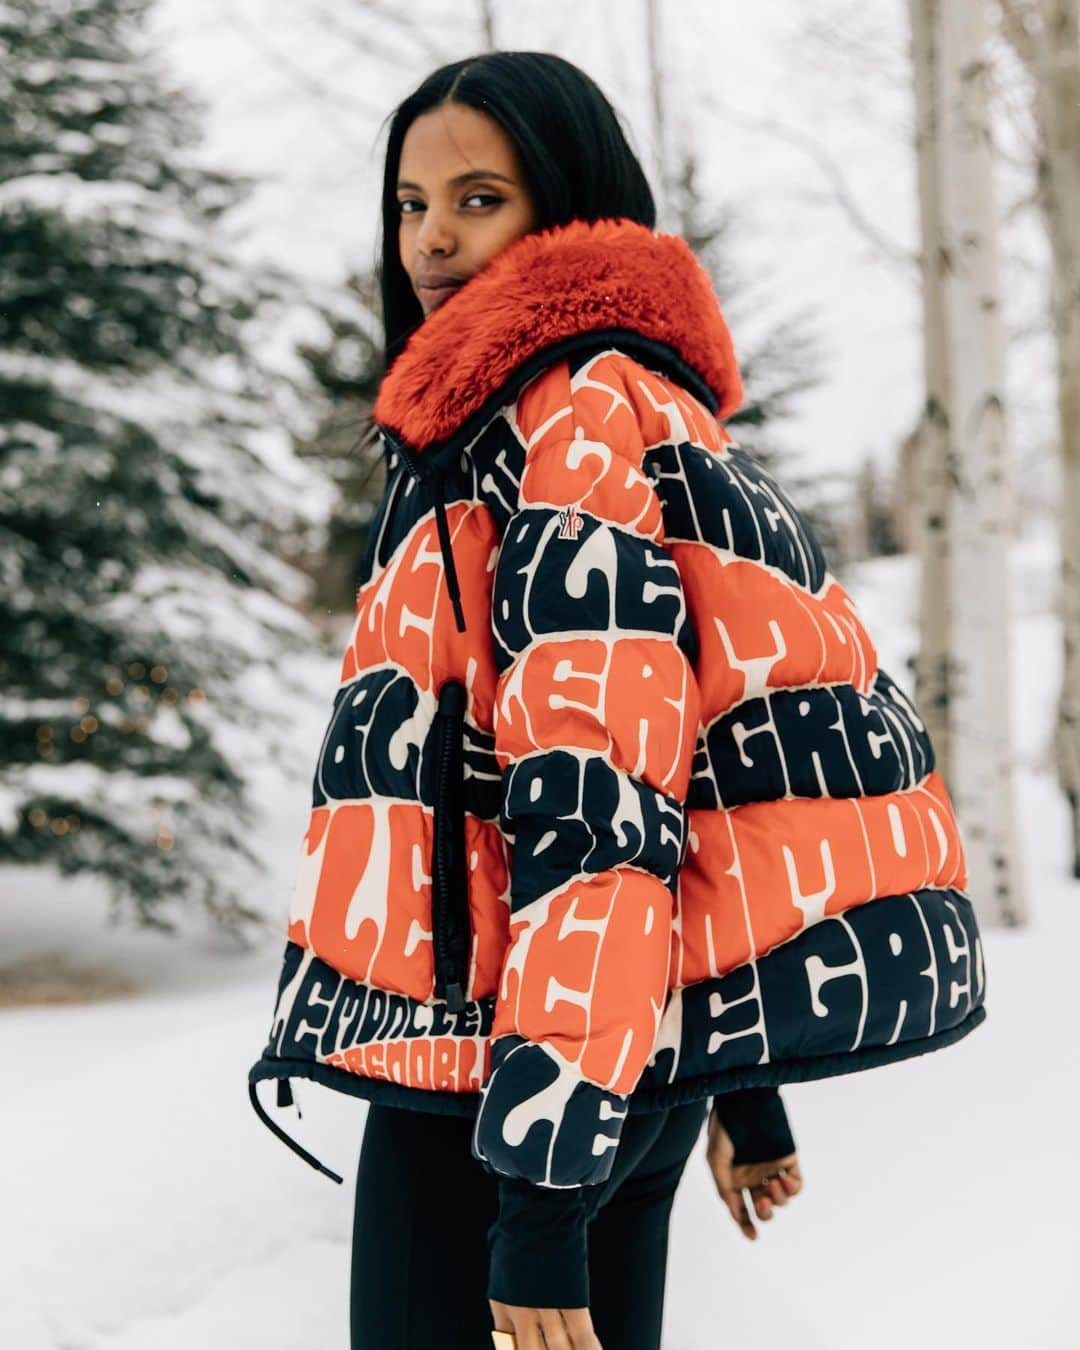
pixel 731 1180
pixel 546 1328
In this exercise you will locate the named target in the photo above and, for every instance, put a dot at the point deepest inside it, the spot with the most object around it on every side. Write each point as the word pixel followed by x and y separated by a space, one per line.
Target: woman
pixel 616 813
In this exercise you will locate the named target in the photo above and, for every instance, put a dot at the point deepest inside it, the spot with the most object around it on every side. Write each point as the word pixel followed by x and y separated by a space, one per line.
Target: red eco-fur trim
pixel 541 288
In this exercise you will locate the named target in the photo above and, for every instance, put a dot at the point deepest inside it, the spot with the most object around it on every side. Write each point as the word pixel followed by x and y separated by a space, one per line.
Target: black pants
pixel 424 1205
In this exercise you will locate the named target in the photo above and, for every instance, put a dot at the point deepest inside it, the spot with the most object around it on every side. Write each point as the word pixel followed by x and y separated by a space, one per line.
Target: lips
pixel 436 288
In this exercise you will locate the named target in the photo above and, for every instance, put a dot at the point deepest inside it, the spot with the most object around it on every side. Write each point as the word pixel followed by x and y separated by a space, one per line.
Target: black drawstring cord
pixel 287 1139
pixel 411 462
pixel 447 549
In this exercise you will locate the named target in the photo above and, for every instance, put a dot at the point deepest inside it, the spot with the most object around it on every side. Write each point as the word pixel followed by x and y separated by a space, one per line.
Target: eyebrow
pixel 470 176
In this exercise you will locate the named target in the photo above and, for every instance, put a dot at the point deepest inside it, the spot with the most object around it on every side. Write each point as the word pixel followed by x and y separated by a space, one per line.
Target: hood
pixel 543 294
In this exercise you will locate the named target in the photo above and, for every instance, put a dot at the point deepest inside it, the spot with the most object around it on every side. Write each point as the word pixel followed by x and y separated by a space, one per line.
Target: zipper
pixel 451 928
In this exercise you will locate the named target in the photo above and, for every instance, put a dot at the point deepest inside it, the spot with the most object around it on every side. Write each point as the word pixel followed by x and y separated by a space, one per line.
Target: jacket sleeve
pixel 596 719
pixel 757 1123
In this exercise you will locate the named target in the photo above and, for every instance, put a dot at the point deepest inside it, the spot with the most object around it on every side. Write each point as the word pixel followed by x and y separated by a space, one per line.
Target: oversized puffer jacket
pixel 615 808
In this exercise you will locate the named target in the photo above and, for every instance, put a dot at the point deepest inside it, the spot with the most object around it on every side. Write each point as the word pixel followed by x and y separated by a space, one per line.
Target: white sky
pixel 262 64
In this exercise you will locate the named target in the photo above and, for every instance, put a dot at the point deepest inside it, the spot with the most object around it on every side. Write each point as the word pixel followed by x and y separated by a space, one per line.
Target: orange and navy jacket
pixel 615 808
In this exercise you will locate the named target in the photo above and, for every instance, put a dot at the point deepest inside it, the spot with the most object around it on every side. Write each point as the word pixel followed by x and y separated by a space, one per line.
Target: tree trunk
pixel 932 453
pixel 487 24
pixel 665 207
pixel 1055 46
pixel 979 519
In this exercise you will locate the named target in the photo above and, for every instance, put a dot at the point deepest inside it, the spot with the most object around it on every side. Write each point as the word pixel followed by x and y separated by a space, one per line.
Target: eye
pixel 483 196
pixel 407 201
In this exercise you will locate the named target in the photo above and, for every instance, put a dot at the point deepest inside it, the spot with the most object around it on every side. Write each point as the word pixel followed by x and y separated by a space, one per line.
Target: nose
pixel 434 235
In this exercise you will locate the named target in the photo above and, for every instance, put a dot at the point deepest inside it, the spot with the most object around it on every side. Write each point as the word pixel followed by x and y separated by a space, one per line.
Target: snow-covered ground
pixel 145 1208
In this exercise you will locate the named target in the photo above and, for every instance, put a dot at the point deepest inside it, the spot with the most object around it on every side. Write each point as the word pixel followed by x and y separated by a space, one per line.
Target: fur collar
pixel 542 291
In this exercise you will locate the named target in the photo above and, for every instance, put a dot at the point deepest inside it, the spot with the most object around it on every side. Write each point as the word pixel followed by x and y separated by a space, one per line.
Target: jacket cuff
pixel 576 1147
pixel 538 1246
pixel 757 1123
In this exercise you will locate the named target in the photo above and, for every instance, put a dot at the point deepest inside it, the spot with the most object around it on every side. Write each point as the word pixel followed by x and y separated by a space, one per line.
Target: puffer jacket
pixel 615 808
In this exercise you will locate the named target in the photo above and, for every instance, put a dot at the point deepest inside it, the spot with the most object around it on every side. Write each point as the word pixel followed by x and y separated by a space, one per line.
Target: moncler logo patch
pixel 569 522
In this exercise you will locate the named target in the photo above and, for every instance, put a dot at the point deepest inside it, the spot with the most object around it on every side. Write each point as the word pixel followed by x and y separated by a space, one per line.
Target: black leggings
pixel 424 1205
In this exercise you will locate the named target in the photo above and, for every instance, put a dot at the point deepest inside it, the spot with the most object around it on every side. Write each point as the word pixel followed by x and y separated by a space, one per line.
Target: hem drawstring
pixel 284 1099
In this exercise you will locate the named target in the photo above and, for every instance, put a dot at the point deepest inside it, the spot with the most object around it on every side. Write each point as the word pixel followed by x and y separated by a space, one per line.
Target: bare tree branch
pixel 367 42
pixel 310 84
pixel 904 259
pixel 856 39
pixel 415 24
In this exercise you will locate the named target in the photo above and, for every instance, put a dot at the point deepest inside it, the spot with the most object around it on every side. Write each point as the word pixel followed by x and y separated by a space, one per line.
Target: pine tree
pixel 139 584
pixel 345 367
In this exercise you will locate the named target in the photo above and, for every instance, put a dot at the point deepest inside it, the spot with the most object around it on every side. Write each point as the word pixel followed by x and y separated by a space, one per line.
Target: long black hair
pixel 577 160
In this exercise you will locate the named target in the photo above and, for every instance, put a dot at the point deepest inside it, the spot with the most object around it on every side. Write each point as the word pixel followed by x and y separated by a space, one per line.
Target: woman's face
pixel 461 199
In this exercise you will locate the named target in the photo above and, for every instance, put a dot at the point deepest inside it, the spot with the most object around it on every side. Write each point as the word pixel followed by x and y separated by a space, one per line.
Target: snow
pixel 147 1209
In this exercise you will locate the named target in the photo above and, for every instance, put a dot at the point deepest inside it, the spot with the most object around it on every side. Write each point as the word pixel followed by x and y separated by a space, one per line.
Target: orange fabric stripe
pixel 489 902
pixel 759 630
pixel 756 875
pixel 362 901
pixel 608 938
pixel 617 401
pixel 404 615
pixel 435 1063
pixel 631 699
pixel 598 480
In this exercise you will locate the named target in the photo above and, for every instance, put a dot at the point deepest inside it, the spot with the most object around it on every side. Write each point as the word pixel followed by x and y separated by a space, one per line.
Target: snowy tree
pixel 966 490
pixel 1046 37
pixel 141 597
pixel 345 368
pixel 931 478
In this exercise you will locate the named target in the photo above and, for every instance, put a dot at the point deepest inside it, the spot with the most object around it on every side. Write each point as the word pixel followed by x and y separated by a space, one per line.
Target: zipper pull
pixel 455 997
pixel 408 456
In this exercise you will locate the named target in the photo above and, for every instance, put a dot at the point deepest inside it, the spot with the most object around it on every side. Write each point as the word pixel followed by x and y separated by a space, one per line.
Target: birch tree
pixel 654 59
pixel 966 480
pixel 1046 36
pixel 932 439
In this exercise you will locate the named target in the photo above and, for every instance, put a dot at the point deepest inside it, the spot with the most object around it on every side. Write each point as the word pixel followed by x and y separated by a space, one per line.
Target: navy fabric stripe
pixel 805 1070
pixel 732 502
pixel 824 741
pixel 573 813
pixel 616 580
pixel 376 745
pixel 898 969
